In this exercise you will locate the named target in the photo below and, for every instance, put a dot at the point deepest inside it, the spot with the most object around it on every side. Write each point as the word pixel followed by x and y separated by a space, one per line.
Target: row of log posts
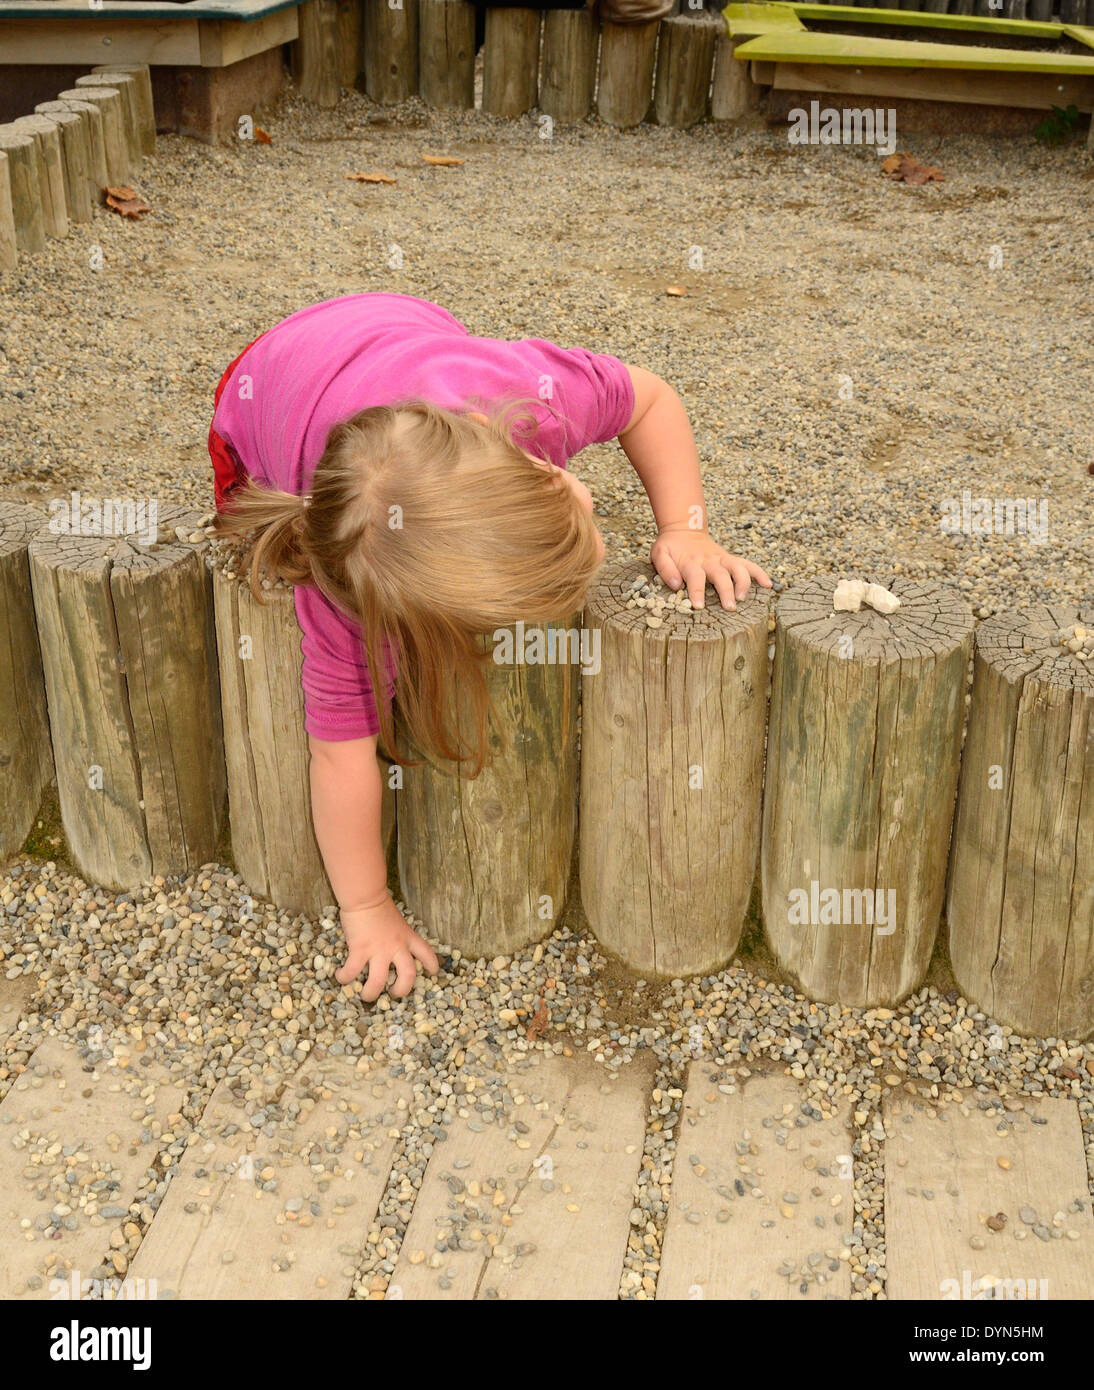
pixel 55 163
pixel 167 684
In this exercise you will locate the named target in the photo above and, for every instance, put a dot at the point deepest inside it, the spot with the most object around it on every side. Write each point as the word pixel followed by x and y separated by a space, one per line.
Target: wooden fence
pixel 166 684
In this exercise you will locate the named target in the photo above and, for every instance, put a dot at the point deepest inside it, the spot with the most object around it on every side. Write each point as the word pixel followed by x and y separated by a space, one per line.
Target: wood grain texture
pixel 316 60
pixel 685 63
pixel 391 51
pixel 130 672
pixel 92 119
pixel 484 863
pixel 447 53
pixel 667 866
pixel 125 84
pixel 25 189
pixel 1020 904
pixel 862 763
pixel 351 21
pixel 510 75
pixel 952 1150
pixel 625 84
pixel 75 163
pixel 146 112
pixel 571 39
pixel 26 761
pixel 733 93
pixel 115 140
pixel 51 172
pixel 9 251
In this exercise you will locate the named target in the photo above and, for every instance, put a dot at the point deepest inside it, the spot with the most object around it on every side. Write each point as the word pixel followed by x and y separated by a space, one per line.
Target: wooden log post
pixel 317 65
pixel 26 762
pixel 25 189
pixel 92 119
pixel 733 93
pixel 351 20
pixel 51 171
pixel 627 55
pixel 266 746
pixel 685 63
pixel 391 50
pixel 9 251
pixel 570 42
pixel 671 776
pixel 510 72
pixel 126 626
pixel 75 162
pixel 446 53
pixel 115 143
pixel 126 87
pixel 1020 901
pixel 862 758
pixel 484 863
pixel 145 106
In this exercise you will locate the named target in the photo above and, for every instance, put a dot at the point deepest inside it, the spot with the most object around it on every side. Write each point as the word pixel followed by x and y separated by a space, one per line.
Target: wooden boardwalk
pixel 761 1203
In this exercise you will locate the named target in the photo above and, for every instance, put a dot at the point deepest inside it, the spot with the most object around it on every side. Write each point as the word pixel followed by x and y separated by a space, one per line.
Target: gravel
pixel 849 361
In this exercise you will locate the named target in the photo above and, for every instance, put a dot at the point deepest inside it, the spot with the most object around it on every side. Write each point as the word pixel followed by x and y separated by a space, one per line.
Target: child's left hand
pixel 692 558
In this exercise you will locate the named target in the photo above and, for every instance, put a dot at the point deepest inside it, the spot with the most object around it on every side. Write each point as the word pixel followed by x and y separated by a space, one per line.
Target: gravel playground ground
pixel 853 354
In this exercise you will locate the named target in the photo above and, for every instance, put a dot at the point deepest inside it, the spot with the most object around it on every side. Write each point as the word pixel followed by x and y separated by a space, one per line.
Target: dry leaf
pixel 371 178
pixel 677 291
pixel 902 168
pixel 444 159
pixel 538 1024
pixel 124 200
pixel 262 137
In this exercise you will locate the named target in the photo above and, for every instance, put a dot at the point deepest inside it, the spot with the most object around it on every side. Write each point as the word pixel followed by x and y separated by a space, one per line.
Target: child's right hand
pixel 379 937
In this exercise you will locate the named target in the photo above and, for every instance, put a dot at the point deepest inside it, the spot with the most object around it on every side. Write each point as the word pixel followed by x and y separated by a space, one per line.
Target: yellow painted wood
pixel 849 14
pixel 1081 33
pixel 851 51
pixel 747 19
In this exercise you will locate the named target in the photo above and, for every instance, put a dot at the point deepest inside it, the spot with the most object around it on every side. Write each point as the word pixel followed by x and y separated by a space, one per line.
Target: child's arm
pixel 659 443
pixel 347 796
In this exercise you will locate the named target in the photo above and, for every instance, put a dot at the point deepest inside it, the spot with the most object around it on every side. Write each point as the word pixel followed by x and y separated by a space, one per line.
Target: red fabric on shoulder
pixel 228 470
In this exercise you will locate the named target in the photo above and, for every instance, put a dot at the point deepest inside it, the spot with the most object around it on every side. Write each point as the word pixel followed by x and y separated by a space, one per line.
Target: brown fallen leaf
pixel 538 1024
pixel 371 178
pixel 677 291
pixel 903 168
pixel 125 201
pixel 262 137
pixel 441 159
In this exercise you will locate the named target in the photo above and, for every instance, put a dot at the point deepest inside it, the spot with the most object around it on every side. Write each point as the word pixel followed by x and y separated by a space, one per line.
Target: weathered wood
pixel 172 41
pixel 25 182
pixel 862 760
pixel 126 86
pixel 92 118
pixel 146 111
pixel 391 50
pixel 625 86
pixel 130 670
pixel 184 1249
pixel 510 61
pixel 570 42
pixel 953 1151
pixel 1072 11
pixel 26 763
pixel 351 20
pixel 103 1112
pixel 685 62
pixel 115 141
pixel 446 53
pixel 9 251
pixel 51 171
pixel 671 777
pixel 316 60
pixel 75 162
pixel 741 1240
pixel 733 93
pixel 484 863
pixel 1020 904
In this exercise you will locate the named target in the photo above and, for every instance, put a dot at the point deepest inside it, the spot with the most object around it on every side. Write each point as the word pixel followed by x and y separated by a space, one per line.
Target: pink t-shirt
pixel 322 365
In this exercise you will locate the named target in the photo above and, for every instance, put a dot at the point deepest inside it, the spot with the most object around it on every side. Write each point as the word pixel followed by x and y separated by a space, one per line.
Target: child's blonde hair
pixel 430 529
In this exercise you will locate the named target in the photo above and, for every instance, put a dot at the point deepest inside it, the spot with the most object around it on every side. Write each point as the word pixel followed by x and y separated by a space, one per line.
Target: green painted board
pixel 794 47
pixel 1081 33
pixel 983 24
pixel 750 19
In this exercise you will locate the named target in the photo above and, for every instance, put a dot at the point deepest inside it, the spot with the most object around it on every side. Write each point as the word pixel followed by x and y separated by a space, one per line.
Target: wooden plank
pixel 916 18
pixel 844 49
pixel 552 1204
pixel 1081 33
pixel 745 1245
pixel 226 41
pixel 242 1242
pixel 748 20
pixel 55 1101
pixel 954 1151
pixel 77 41
pixel 1036 91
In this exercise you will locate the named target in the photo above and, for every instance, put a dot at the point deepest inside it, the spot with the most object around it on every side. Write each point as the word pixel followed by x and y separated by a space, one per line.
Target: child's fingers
pixel 355 963
pixel 742 579
pixel 695 577
pixel 720 578
pixel 405 974
pixel 374 986
pixel 667 569
pixel 760 576
pixel 423 951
